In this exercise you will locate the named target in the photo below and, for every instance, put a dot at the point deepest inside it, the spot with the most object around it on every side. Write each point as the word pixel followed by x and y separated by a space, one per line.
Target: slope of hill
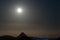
pixel 23 36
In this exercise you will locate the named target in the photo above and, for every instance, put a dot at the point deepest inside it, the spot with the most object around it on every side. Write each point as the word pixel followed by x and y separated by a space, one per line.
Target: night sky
pixel 39 17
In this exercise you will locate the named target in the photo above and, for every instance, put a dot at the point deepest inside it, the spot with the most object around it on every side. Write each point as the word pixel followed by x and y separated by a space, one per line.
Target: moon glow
pixel 19 10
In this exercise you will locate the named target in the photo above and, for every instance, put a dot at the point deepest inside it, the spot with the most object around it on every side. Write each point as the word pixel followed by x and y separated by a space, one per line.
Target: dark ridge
pixel 23 36
pixel 7 37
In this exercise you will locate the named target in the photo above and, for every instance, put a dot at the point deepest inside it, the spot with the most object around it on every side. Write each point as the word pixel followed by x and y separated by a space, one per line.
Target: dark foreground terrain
pixel 22 36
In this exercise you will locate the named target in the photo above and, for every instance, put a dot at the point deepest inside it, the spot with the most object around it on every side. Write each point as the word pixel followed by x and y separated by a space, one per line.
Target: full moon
pixel 19 10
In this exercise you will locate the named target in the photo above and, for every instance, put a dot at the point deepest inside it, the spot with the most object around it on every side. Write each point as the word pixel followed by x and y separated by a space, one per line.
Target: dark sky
pixel 39 17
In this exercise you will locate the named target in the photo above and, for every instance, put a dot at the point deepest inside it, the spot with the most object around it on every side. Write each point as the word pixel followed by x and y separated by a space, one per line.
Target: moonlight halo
pixel 19 10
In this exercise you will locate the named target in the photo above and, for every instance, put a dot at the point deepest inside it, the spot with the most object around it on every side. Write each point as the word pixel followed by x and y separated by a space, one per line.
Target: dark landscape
pixel 23 36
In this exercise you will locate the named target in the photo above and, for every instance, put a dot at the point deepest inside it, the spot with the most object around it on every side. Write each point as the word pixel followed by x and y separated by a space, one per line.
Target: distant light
pixel 19 10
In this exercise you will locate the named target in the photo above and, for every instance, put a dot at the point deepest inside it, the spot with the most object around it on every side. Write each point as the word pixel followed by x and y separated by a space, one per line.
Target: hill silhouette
pixel 7 37
pixel 23 36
